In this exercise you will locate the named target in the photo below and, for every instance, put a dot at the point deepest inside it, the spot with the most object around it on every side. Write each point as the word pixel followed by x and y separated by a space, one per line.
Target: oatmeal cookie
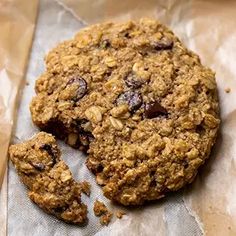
pixel 137 101
pixel 49 180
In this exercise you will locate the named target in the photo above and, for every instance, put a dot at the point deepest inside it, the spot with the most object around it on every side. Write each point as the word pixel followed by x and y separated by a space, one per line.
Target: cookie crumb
pixel 227 90
pixel 101 210
pixel 86 187
pixel 106 218
pixel 119 214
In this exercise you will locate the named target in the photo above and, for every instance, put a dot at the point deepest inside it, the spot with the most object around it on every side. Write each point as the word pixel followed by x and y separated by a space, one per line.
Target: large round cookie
pixel 142 105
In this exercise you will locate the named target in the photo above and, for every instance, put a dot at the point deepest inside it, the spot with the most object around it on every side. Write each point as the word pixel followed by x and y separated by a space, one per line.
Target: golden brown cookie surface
pixel 140 103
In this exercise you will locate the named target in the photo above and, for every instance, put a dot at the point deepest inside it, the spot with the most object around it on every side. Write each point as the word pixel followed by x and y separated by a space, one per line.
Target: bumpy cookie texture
pixel 50 182
pixel 142 105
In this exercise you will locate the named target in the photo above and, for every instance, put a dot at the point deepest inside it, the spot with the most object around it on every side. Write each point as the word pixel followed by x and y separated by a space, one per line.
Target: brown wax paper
pixel 205 207
pixel 17 21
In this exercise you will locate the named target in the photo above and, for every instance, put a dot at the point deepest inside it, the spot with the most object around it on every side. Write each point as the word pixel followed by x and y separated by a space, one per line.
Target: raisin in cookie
pixel 137 100
pixel 50 182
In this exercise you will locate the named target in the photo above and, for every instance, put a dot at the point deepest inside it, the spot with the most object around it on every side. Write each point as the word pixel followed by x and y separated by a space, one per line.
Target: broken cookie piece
pixel 119 214
pixel 99 208
pixel 86 187
pixel 102 211
pixel 106 218
pixel 49 180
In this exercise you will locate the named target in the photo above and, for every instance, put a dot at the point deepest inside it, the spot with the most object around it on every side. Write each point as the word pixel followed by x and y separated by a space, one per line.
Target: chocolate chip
pixel 59 209
pixel 50 151
pixel 47 147
pixel 200 129
pixel 100 168
pixel 57 128
pixel 94 167
pixel 163 44
pixel 126 35
pixel 133 82
pixel 154 109
pixel 82 86
pixel 153 183
pixel 132 98
pixel 185 164
pixel 38 166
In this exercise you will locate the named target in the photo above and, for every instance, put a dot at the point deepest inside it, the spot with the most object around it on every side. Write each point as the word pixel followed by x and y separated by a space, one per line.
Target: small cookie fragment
pixel 101 211
pixel 119 214
pixel 106 218
pixel 48 178
pixel 227 90
pixel 86 187
pixel 99 208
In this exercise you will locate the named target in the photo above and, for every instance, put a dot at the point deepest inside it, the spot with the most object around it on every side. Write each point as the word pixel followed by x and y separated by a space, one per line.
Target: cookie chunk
pixel 137 101
pixel 49 180
pixel 85 187
pixel 102 211
pixel 120 214
pixel 99 208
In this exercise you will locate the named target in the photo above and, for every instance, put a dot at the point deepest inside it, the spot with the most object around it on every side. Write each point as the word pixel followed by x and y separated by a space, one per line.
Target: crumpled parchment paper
pixel 208 205
pixel 17 22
